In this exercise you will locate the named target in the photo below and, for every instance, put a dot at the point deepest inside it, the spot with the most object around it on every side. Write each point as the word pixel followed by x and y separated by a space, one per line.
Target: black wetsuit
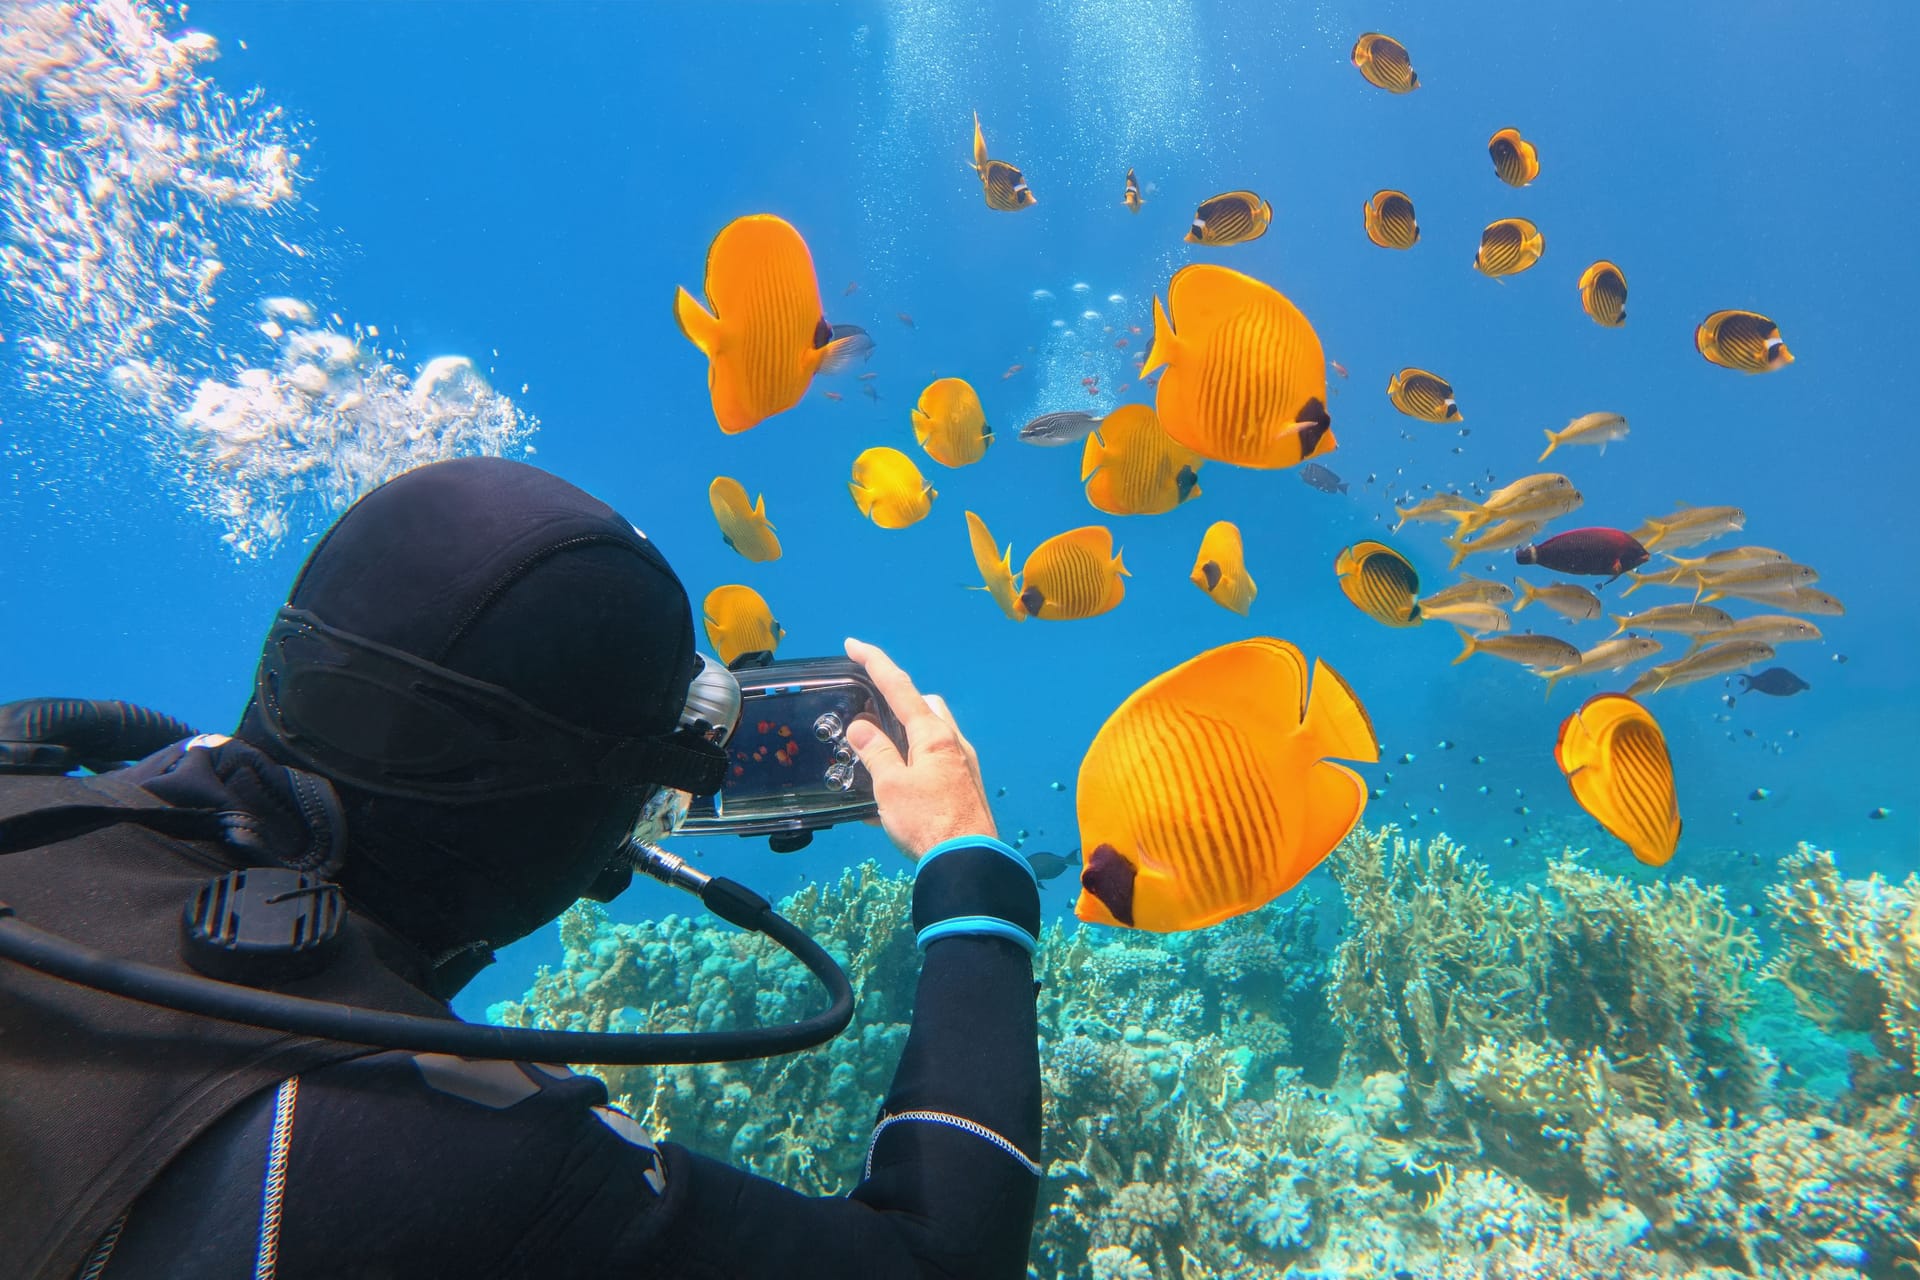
pixel 400 1165
pixel 405 1167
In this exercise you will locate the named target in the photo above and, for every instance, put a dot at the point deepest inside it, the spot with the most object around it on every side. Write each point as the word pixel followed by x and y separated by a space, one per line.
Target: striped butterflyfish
pixel 1423 395
pixel 1132 467
pixel 1210 791
pixel 765 337
pixel 1076 574
pixel 1616 761
pixel 1246 379
pixel 1508 247
pixel 1381 582
pixel 1743 340
pixel 1514 158
pixel 1234 217
pixel 1384 62
pixel 1390 222
pixel 1603 294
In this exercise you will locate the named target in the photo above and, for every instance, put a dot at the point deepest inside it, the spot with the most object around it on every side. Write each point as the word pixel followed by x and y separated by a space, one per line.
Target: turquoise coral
pixel 1542 1081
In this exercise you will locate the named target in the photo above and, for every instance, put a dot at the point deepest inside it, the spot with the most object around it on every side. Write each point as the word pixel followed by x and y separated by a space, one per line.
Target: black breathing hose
pixel 58 735
pixel 190 993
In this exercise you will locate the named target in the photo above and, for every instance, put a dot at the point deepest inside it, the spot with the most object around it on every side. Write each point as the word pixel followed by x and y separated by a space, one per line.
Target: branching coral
pixel 1434 958
pixel 1851 954
pixel 1659 974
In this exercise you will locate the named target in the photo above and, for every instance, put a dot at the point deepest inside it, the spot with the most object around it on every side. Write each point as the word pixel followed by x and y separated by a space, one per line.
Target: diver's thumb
pixel 874 748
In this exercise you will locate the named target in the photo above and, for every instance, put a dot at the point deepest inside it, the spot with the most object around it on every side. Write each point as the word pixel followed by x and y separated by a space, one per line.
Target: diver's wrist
pixel 978 886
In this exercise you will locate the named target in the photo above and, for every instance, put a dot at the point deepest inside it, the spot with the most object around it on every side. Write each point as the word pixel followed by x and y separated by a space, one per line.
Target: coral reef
pixel 1547 1080
pixel 1850 955
pixel 802 1119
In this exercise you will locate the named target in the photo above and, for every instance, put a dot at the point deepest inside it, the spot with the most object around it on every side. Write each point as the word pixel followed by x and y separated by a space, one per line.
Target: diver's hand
pixel 934 793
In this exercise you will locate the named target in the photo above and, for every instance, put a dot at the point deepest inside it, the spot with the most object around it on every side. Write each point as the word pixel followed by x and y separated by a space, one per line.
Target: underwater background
pixel 1475 1056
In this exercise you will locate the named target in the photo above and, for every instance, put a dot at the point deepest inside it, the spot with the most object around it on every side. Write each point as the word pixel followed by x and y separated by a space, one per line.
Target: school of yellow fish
pixel 1213 788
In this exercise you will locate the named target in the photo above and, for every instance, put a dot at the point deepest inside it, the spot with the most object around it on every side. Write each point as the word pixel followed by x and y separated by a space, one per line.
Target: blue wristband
pixel 976 926
pixel 965 886
pixel 974 842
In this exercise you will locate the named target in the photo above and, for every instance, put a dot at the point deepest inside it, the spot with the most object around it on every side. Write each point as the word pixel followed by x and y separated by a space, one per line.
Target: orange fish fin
pixel 1335 720
pixel 979 147
pixel 1161 349
pixel 1336 796
pixel 701 326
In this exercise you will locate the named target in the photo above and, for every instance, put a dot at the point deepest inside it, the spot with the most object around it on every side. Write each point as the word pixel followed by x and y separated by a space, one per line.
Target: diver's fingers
pixel 875 750
pixel 923 727
pixel 938 705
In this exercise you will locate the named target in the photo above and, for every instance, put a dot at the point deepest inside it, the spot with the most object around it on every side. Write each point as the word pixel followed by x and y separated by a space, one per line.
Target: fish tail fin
pixel 1697 642
pixel 1119 568
pixel 861 499
pixel 1621 622
pixel 1553 442
pixel 700 325
pixel 1654 530
pixel 1335 720
pixel 1552 678
pixel 1469 522
pixel 1469 646
pixel 1402 513
pixel 1527 594
pixel 851 346
pixel 1460 551
pixel 1162 347
pixel 979 144
pixel 1638 582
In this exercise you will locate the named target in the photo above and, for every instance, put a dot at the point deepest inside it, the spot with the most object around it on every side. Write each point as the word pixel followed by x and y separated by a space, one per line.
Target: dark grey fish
pixel 1050 429
pixel 1047 866
pixel 1777 682
pixel 1322 479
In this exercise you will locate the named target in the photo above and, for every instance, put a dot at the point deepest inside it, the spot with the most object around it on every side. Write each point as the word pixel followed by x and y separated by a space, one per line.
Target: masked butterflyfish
pixel 1603 294
pixel 1514 159
pixel 1384 62
pixel 1210 791
pixel 1743 340
pixel 1381 582
pixel 1004 186
pixel 1423 395
pixel 1233 218
pixel 1076 574
pixel 1616 761
pixel 1508 247
pixel 1132 467
pixel 765 337
pixel 889 489
pixel 743 525
pixel 996 568
pixel 950 424
pixel 1389 220
pixel 1246 379
pixel 1132 198
pixel 738 621
pixel 1220 569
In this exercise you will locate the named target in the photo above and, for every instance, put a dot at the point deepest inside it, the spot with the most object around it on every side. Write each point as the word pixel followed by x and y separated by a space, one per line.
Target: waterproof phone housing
pixel 789 770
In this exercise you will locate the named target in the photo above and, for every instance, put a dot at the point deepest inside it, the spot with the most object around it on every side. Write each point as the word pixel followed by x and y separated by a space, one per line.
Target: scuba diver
pixel 481 702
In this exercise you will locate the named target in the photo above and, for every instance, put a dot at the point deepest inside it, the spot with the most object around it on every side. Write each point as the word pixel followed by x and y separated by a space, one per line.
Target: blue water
pixel 533 181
